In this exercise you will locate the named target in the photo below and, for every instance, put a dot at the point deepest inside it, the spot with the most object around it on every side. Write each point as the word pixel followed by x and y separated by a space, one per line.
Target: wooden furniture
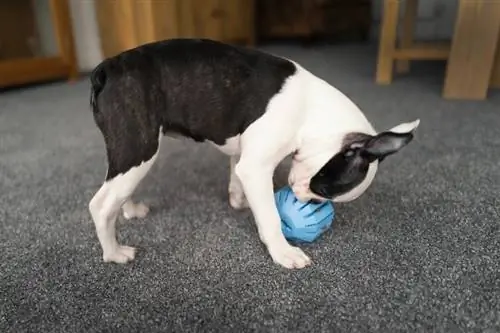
pixel 22 58
pixel 470 55
pixel 495 75
pixel 474 44
pixel 307 18
pixel 125 24
pixel 390 51
pixel 231 21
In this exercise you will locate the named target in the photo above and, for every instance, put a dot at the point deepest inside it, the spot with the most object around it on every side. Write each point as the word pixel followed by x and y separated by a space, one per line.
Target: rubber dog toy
pixel 302 221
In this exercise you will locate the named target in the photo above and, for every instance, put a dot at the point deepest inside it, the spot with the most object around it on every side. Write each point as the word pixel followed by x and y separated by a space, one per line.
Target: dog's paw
pixel 289 256
pixel 237 200
pixel 121 255
pixel 135 210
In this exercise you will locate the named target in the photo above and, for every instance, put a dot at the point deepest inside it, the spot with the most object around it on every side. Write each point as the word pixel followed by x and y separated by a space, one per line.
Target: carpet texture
pixel 419 252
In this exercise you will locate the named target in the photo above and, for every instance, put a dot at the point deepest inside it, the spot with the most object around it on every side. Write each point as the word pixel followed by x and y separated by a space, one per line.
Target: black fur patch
pixel 344 171
pixel 202 89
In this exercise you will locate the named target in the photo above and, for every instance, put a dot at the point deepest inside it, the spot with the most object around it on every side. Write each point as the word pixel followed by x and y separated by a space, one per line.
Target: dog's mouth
pixel 320 191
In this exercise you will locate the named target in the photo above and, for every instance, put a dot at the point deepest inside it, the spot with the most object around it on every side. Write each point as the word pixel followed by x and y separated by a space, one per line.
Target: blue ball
pixel 302 221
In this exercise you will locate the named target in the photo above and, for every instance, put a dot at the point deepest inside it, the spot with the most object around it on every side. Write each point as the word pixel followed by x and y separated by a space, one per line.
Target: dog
pixel 256 107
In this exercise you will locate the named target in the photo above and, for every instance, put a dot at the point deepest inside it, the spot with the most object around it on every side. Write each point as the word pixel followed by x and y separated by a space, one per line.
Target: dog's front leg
pixel 257 181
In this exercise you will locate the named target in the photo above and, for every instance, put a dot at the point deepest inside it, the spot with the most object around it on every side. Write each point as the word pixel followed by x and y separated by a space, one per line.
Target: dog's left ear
pixel 389 142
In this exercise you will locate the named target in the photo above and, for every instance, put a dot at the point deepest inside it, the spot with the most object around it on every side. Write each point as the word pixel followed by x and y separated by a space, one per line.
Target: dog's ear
pixel 389 142
pixel 405 127
pixel 385 144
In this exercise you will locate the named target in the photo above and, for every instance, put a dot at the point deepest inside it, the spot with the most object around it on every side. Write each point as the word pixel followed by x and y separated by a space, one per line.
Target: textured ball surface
pixel 302 221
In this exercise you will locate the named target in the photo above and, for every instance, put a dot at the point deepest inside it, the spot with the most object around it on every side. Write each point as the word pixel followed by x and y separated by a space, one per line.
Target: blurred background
pixel 47 39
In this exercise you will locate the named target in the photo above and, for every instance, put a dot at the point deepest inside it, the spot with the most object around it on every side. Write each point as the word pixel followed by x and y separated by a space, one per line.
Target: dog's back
pixel 203 89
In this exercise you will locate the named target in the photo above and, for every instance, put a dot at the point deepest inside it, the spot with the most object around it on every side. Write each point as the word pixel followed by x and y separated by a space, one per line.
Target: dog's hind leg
pixel 237 198
pixel 125 106
pixel 125 172
pixel 134 210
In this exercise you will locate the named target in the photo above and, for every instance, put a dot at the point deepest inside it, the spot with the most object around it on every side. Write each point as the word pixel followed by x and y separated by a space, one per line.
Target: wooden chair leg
pixel 387 41
pixel 407 33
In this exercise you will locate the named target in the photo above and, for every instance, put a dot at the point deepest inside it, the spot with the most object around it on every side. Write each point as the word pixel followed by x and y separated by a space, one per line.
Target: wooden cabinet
pixel 224 20
pixel 36 42
pixel 126 24
pixel 306 18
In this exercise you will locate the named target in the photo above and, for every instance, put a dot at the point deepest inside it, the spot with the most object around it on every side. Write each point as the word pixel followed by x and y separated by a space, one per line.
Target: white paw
pixel 289 256
pixel 121 255
pixel 133 210
pixel 237 200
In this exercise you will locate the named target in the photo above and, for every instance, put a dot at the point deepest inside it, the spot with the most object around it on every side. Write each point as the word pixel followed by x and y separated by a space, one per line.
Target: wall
pixel 85 32
pixel 45 28
pixel 435 18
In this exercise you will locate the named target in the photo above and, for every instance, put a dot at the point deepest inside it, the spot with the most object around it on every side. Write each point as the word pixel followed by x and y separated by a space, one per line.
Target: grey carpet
pixel 419 252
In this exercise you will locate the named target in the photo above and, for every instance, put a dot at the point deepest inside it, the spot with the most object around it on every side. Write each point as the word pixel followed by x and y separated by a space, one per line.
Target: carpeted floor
pixel 419 252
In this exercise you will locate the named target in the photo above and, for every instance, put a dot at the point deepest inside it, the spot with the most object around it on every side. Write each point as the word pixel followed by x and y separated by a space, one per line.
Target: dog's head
pixel 350 171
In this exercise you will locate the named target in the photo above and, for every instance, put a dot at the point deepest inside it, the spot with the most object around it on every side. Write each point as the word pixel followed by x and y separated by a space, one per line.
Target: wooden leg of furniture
pixel 473 50
pixel 495 76
pixel 387 43
pixel 407 33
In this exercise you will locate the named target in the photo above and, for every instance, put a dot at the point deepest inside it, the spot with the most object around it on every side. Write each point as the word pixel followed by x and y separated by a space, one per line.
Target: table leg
pixel 473 50
pixel 387 43
pixel 495 76
pixel 408 32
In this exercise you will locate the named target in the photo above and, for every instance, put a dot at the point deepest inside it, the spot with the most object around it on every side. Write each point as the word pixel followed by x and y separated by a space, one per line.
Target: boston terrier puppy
pixel 257 108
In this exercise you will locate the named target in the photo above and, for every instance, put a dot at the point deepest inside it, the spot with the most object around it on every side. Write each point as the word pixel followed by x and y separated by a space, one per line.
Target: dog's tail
pixel 97 81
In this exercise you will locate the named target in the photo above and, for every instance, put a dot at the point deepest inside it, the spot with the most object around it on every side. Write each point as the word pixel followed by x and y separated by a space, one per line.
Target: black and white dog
pixel 255 107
